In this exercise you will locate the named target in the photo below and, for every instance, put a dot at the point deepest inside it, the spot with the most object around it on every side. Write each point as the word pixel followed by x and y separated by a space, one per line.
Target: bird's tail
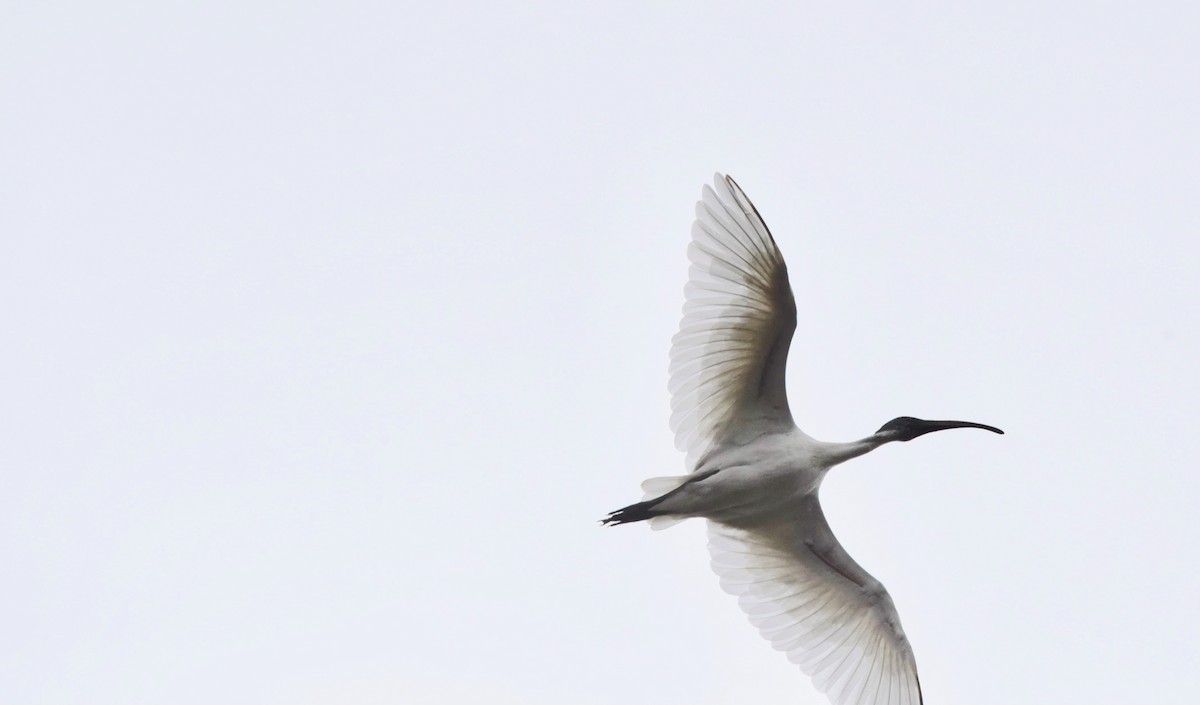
pixel 657 489
pixel 661 486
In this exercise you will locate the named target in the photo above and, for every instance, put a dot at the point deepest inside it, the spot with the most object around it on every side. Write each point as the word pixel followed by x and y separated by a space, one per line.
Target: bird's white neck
pixel 836 453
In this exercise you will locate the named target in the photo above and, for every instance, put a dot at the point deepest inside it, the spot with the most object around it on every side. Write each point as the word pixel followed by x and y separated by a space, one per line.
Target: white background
pixel 331 329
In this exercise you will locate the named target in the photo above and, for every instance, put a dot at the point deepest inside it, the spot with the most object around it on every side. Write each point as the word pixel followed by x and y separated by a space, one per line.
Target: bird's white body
pixel 759 481
pixel 755 476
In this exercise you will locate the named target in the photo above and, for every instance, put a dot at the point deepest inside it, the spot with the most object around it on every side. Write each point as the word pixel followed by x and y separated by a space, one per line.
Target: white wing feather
pixel 729 357
pixel 812 601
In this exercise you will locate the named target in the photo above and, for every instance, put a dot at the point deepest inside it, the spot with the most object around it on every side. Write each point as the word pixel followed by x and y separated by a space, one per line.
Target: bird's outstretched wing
pixel 812 601
pixel 729 357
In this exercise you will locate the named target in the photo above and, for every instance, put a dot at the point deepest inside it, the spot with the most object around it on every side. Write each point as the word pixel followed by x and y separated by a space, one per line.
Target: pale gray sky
pixel 333 328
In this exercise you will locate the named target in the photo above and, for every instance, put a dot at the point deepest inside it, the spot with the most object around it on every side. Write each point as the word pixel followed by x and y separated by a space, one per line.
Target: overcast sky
pixel 331 329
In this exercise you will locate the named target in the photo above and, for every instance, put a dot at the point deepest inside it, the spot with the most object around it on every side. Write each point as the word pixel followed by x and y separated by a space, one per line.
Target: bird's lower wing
pixel 811 601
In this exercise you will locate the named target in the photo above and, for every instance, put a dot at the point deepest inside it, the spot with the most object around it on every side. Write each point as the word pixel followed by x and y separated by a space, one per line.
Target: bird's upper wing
pixel 728 359
pixel 812 601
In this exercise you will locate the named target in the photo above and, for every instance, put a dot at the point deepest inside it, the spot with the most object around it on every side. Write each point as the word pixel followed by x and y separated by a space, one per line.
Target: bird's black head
pixel 906 428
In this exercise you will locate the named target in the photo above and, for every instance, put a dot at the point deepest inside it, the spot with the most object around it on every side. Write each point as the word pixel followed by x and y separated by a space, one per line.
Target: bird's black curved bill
pixel 924 427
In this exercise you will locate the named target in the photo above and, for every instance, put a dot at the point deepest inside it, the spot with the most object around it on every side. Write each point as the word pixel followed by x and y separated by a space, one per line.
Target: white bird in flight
pixel 755 476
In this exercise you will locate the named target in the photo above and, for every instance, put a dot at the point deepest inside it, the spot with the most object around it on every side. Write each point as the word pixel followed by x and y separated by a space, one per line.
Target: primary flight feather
pixel 754 475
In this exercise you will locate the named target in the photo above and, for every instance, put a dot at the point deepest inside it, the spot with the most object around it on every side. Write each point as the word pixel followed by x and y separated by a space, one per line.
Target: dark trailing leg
pixel 634 512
